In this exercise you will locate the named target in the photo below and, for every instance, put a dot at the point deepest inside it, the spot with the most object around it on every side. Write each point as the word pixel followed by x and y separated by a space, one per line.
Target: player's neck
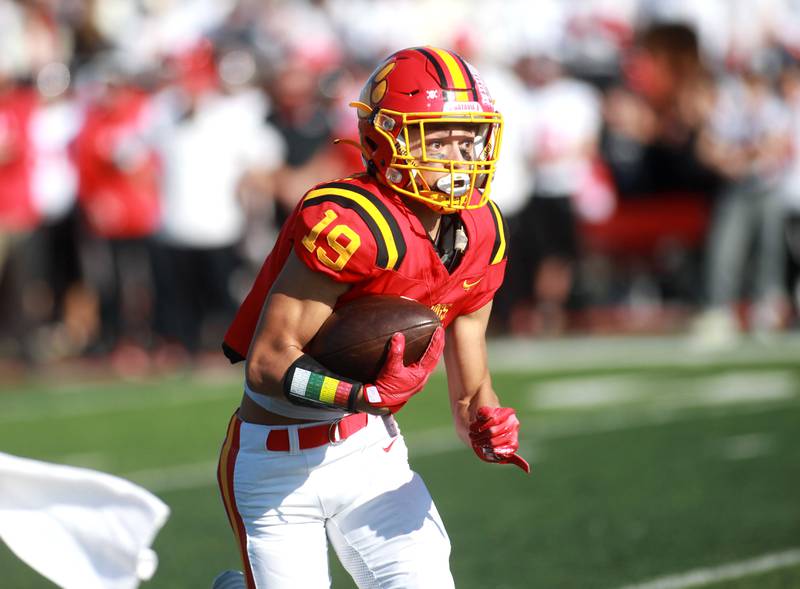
pixel 429 218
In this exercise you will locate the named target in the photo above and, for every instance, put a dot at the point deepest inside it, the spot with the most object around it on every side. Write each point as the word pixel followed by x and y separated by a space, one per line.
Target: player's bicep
pixel 297 305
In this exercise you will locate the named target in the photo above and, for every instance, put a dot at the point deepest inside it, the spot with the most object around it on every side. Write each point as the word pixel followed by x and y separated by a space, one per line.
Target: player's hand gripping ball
pixel 397 383
pixel 494 435
pixel 354 340
pixel 389 342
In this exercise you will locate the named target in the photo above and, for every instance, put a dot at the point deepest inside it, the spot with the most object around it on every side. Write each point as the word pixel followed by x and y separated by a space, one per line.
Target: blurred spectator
pixel 120 202
pixel 790 91
pixel 653 121
pixel 30 37
pixel 748 142
pixel 562 127
pixel 55 124
pixel 87 40
pixel 300 114
pixel 212 137
pixel 19 217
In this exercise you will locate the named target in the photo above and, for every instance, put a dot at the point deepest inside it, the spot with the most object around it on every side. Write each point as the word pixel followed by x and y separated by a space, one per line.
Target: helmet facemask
pixel 465 182
pixel 409 96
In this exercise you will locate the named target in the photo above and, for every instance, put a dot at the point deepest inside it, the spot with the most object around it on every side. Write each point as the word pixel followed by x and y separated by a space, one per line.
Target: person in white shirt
pixel 211 135
pixel 561 135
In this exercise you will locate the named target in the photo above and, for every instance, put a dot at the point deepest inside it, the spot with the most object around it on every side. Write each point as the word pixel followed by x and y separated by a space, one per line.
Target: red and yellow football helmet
pixel 424 88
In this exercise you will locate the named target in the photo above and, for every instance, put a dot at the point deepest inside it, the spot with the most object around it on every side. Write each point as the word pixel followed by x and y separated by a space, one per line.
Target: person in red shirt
pixel 296 466
pixel 18 103
pixel 120 201
pixel 19 217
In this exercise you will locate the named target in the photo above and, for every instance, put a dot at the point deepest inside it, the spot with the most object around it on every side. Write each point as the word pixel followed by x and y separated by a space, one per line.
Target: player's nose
pixel 456 154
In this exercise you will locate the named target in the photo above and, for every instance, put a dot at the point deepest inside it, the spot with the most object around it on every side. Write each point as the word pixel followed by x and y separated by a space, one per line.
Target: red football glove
pixel 396 382
pixel 495 436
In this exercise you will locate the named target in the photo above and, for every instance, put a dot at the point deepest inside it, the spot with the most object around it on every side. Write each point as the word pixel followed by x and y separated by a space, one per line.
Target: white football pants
pixel 361 494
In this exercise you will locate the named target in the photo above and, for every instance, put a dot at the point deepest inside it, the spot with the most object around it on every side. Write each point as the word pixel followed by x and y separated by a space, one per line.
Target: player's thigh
pixel 277 517
pixel 285 543
pixel 288 556
pixel 393 537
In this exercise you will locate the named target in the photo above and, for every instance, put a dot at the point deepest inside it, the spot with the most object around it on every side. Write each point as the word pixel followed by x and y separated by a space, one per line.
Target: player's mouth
pixel 455 184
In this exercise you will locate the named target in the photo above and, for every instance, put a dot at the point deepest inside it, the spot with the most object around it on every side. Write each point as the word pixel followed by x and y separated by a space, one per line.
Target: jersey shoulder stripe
pixel 391 244
pixel 500 234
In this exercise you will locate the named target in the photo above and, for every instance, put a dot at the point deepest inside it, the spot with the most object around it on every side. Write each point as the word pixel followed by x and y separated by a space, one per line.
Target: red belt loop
pixel 318 435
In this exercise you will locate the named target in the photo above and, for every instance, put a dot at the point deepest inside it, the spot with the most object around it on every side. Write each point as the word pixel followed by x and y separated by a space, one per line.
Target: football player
pixel 311 456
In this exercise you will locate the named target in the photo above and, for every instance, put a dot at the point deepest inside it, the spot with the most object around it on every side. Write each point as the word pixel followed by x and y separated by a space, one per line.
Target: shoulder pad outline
pixel 500 247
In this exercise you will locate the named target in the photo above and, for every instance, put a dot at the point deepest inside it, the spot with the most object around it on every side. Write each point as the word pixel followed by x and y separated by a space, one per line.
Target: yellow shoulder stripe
pixel 388 252
pixel 499 249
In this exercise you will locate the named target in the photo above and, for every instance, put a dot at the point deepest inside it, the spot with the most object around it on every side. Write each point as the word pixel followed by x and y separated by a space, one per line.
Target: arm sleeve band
pixel 309 383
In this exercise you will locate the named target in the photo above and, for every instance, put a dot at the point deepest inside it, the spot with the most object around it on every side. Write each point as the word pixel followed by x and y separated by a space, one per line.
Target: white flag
pixel 80 528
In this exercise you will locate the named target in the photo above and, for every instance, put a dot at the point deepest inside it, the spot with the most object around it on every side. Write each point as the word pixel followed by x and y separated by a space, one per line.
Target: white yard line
pixel 664 393
pixel 725 572
pixel 592 353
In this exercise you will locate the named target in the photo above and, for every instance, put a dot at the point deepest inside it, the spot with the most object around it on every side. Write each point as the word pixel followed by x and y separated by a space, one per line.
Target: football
pixel 354 340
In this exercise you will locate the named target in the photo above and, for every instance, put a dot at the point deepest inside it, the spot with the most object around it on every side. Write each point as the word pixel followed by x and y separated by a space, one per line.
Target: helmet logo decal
pixel 381 75
pixel 432 94
pixel 379 83
pixel 378 92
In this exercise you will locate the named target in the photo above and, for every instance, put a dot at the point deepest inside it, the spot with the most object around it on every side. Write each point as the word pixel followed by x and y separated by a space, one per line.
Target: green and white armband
pixel 309 383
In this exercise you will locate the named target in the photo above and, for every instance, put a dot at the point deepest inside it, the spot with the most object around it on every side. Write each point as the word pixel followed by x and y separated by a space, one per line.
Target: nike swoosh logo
pixel 468 285
pixel 389 447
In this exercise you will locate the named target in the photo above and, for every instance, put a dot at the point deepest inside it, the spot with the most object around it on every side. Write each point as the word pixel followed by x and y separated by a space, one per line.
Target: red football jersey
pixel 119 191
pixel 17 209
pixel 359 232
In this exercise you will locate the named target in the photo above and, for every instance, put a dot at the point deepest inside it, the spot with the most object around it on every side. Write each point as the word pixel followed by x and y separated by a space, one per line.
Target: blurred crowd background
pixel 150 149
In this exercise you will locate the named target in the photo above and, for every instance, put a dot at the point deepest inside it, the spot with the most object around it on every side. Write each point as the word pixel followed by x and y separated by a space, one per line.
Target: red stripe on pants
pixel 227 462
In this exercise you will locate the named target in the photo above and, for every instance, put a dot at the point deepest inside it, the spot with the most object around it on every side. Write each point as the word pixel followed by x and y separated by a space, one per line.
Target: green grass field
pixel 648 462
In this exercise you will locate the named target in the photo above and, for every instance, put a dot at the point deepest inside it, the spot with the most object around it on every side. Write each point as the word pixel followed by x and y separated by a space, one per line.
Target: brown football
pixel 354 340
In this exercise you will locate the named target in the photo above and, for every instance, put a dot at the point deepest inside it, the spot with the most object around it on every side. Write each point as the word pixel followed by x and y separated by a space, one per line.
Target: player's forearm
pixel 468 380
pixel 461 420
pixel 298 304
pixel 465 406
pixel 267 364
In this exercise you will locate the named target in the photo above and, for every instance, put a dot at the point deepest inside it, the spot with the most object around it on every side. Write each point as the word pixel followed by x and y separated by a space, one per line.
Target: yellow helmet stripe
pixel 455 73
pixel 389 239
